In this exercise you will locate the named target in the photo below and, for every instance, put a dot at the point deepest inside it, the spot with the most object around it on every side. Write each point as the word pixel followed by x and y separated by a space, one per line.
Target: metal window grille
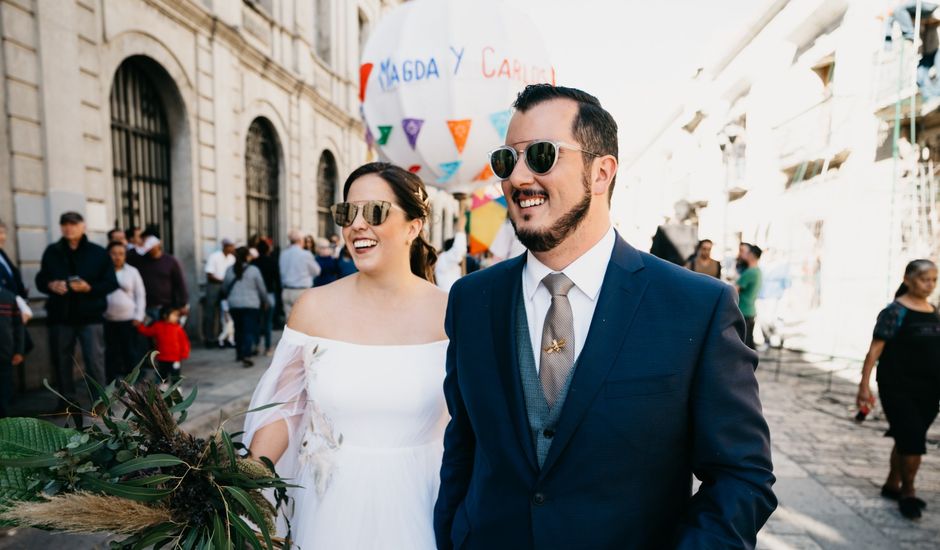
pixel 261 169
pixel 140 139
pixel 326 194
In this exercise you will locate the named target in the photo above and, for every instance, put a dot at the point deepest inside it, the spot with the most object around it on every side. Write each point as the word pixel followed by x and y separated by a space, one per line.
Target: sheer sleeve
pixel 285 383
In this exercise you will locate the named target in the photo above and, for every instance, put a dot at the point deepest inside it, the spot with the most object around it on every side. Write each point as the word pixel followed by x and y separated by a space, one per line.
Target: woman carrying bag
pixel 906 347
pixel 246 294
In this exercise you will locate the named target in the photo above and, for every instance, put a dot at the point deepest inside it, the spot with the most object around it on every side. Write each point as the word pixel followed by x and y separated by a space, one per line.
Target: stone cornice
pixel 194 16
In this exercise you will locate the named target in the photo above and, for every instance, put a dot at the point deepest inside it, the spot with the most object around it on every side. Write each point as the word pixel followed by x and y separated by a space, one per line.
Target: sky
pixel 636 56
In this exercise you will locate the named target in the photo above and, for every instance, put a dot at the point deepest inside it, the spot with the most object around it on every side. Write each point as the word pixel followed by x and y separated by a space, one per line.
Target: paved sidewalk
pixel 224 390
pixel 829 469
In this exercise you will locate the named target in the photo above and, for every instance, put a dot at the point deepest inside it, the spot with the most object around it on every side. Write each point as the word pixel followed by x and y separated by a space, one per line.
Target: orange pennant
pixel 364 71
pixel 460 130
pixel 484 174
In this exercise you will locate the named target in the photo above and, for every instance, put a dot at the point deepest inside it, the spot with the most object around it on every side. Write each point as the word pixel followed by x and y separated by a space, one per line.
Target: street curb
pixel 205 424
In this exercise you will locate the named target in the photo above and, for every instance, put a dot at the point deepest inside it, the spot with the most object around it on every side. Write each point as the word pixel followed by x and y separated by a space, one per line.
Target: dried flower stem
pixel 87 512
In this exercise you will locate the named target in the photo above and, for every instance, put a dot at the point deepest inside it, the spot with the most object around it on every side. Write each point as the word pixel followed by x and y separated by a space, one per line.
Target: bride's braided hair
pixel 412 197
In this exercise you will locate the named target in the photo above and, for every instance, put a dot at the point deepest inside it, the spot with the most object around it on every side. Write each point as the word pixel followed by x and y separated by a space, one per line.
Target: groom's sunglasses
pixel 373 212
pixel 540 157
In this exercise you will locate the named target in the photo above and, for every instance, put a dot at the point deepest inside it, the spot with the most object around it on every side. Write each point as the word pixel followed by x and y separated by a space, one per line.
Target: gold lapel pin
pixel 557 345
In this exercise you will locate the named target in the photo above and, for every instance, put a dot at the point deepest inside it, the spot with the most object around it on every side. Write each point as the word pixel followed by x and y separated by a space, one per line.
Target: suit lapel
pixel 505 292
pixel 619 298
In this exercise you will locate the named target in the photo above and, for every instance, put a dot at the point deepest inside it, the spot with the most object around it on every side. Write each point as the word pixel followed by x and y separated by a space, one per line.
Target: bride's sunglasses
pixel 373 212
pixel 540 157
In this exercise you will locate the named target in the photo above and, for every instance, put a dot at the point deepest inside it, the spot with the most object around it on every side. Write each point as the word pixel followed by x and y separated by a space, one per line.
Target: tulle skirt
pixel 368 498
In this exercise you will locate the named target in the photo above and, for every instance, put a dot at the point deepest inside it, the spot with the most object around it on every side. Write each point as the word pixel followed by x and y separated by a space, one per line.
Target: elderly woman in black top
pixel 906 346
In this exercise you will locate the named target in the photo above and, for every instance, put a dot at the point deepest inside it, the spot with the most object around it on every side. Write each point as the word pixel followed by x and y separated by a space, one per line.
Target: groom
pixel 586 381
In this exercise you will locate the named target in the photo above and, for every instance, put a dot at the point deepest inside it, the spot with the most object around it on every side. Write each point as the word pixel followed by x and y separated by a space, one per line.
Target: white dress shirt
pixel 218 262
pixel 447 269
pixel 587 274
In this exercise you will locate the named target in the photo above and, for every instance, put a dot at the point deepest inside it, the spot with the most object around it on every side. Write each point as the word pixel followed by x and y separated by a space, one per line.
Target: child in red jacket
pixel 171 341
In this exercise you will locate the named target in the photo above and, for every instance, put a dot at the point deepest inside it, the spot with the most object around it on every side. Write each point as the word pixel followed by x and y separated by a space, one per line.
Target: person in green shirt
pixel 748 287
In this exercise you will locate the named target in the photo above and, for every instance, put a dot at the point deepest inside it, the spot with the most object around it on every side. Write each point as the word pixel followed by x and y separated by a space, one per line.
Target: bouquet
pixel 137 473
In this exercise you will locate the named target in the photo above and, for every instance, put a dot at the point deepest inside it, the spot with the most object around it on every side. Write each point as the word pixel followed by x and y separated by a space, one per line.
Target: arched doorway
pixel 261 186
pixel 326 194
pixel 140 138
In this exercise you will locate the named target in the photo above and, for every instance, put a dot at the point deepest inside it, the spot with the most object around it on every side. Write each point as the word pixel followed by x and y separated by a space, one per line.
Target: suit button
pixel 538 499
pixel 549 433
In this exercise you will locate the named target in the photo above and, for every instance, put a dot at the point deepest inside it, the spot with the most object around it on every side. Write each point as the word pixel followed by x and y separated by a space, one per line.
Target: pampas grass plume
pixel 86 512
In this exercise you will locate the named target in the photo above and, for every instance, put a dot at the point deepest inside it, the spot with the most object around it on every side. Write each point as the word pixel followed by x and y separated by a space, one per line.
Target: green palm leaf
pixel 26 439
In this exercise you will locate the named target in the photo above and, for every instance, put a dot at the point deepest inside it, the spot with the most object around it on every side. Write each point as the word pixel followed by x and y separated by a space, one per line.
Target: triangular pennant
pixel 460 131
pixel 485 174
pixel 412 127
pixel 384 132
pixel 479 198
pixel 500 121
pixel 476 247
pixel 364 71
pixel 414 168
pixel 370 139
pixel 449 168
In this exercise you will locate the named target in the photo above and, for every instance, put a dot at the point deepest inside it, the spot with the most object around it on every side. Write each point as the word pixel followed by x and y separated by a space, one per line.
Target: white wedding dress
pixel 366 429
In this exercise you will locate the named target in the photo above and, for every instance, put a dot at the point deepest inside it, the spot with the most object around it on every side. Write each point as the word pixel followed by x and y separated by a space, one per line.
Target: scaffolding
pixel 914 227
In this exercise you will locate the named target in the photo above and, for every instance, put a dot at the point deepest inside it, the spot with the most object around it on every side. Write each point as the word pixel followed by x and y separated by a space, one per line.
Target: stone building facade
pixel 208 118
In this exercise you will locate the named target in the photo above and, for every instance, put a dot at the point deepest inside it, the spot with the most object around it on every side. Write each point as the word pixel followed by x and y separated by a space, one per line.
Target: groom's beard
pixel 547 239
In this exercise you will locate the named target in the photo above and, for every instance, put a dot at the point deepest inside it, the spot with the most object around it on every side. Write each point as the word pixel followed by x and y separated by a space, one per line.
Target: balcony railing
pixel 894 80
pixel 806 135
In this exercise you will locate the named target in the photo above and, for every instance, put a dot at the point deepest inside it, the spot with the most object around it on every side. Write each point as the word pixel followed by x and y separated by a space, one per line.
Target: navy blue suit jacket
pixel 664 389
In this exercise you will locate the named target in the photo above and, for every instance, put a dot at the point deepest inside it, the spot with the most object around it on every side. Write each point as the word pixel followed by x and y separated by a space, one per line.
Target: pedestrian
pixel 162 275
pixel 906 347
pixel 346 264
pixel 740 262
pixel 12 280
pixel 298 269
pixel 329 265
pixel 117 234
pixel 449 266
pixel 171 343
pixel 904 13
pixel 126 305
pixel 702 262
pixel 310 244
pixel 335 245
pixel 216 264
pixel 12 346
pixel 246 295
pixel 133 235
pixel 561 437
pixel 266 263
pixel 748 285
pixel 134 242
pixel 77 275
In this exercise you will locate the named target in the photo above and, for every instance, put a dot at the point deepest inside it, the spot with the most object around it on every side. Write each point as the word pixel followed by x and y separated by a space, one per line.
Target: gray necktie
pixel 557 338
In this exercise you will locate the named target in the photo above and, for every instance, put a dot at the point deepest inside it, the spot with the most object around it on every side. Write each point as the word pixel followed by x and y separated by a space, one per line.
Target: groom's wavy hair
pixel 412 197
pixel 594 128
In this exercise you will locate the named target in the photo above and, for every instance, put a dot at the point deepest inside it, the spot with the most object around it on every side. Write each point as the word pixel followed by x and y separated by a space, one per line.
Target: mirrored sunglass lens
pixel 343 213
pixel 502 162
pixel 540 156
pixel 372 211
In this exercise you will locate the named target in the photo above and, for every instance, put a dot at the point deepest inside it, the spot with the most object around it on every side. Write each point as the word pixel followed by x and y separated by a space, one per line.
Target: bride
pixel 359 370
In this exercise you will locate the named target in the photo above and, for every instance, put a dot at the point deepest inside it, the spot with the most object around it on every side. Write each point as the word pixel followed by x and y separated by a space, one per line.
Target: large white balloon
pixel 437 80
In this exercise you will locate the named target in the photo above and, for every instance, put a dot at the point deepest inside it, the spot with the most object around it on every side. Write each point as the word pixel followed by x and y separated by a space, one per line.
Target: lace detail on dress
pixel 320 442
